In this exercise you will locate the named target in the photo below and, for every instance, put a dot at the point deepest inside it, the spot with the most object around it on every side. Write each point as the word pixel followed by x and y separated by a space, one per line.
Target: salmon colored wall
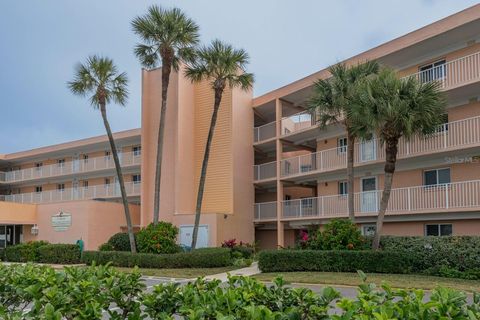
pixel 267 239
pixel 460 227
pixel 17 213
pixel 92 221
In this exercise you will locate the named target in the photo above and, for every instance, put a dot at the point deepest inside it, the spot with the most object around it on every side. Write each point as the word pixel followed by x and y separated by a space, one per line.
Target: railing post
pixel 444 137
pixel 301 208
pixel 447 186
pixel 409 200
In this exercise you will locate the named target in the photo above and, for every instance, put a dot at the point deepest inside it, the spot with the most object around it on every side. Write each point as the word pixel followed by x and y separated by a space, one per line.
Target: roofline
pixel 71 144
pixel 446 24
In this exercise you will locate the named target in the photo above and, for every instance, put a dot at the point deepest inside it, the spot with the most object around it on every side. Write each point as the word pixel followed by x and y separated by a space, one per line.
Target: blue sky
pixel 42 40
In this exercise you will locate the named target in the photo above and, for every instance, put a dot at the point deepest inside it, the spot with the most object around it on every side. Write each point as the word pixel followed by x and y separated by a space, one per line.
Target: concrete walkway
pixel 248 271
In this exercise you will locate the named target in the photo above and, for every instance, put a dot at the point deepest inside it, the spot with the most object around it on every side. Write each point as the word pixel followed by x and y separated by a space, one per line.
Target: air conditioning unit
pixel 34 230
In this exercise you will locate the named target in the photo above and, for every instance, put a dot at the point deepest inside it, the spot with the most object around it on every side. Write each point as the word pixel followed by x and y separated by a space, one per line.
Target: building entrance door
pixel 10 235
pixel 368 196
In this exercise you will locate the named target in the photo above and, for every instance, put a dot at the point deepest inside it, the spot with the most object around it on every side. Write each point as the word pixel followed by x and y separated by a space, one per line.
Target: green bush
pixel 158 238
pixel 59 254
pixel 243 251
pixel 338 234
pixel 39 292
pixel 24 252
pixel 199 258
pixel 119 242
pixel 334 261
pixel 430 254
pixel 106 247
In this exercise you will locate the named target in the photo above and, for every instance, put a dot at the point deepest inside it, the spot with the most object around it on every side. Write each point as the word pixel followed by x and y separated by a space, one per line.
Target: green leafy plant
pixel 338 234
pixel 119 242
pixel 158 238
pixel 24 252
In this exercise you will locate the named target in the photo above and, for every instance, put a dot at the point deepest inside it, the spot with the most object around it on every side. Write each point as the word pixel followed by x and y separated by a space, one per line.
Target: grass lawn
pixel 181 273
pixel 395 280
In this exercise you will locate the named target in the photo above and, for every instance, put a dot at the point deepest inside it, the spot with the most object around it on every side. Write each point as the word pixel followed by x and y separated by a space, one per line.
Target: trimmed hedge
pixel 60 254
pixel 200 258
pixel 432 254
pixel 334 261
pixel 246 252
pixel 24 252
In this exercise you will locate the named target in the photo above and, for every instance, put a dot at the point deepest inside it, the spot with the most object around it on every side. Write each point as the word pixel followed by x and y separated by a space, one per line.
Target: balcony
pixel 265 211
pixel 453 73
pixel 69 168
pixel 265 132
pixel 452 197
pixel 71 194
pixel 449 137
pixel 265 171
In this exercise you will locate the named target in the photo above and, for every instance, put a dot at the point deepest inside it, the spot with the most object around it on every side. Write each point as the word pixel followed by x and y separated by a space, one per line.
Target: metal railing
pixel 264 132
pixel 265 171
pixel 78 193
pixel 450 136
pixel 410 200
pixel 71 167
pixel 265 211
pixel 452 73
pixel 297 122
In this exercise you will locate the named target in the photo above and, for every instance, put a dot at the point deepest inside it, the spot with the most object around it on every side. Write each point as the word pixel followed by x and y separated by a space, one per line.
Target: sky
pixel 42 40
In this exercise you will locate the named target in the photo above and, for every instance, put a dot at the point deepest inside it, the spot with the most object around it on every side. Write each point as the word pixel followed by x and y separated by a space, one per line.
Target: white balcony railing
pixel 298 122
pixel 453 73
pixel 71 167
pixel 265 171
pixel 265 211
pixel 419 199
pixel 265 132
pixel 450 136
pixel 78 193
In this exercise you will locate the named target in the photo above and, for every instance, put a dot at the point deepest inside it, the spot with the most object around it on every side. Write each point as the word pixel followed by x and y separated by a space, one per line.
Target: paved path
pixel 248 271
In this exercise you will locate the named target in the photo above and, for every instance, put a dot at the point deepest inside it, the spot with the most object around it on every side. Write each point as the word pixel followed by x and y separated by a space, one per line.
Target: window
pixel 288 197
pixel 107 155
pixel 368 230
pixel 433 71
pixel 436 177
pixel 341 145
pixel 85 184
pixel 307 202
pixel 61 162
pixel 85 158
pixel 136 178
pixel 137 151
pixel 61 187
pixel 107 181
pixel 438 230
pixel 342 188
pixel 38 189
pixel 39 166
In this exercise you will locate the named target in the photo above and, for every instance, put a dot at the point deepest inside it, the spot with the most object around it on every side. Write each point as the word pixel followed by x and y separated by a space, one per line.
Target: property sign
pixel 61 221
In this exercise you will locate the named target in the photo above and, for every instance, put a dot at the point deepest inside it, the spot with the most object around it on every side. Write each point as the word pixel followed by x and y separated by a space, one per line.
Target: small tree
pixel 100 78
pixel 221 65
pixel 395 108
pixel 332 102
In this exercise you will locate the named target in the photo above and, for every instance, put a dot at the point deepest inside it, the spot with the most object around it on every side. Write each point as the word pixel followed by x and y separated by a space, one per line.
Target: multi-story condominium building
pixel 273 171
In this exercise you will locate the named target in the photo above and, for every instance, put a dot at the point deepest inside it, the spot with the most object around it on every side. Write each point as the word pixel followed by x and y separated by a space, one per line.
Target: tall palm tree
pixel 99 78
pixel 221 65
pixel 332 101
pixel 397 108
pixel 169 37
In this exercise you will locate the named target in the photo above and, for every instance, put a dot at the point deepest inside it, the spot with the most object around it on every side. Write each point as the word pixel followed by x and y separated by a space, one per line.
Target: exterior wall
pixel 460 227
pixel 92 221
pixel 17 213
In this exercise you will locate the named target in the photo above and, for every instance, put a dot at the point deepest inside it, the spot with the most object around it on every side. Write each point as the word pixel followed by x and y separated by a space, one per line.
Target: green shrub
pixel 243 251
pixel 431 254
pixel 158 238
pixel 24 252
pixel 199 258
pixel 338 234
pixel 59 254
pixel 334 261
pixel 106 247
pixel 119 242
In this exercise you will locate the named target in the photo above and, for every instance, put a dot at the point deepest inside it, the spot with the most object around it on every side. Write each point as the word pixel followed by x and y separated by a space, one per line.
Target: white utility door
pixel 186 233
pixel 368 196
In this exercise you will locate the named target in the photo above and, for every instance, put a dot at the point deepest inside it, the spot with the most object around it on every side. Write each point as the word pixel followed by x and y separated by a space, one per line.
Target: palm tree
pixel 100 79
pixel 169 37
pixel 397 108
pixel 221 65
pixel 332 101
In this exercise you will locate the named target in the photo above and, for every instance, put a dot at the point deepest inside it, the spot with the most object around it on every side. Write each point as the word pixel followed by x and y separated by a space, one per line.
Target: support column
pixel 279 151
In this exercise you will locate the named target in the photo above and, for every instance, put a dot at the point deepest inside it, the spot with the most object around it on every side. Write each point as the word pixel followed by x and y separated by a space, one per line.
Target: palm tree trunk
pixel 391 150
pixel 203 174
pixel 350 175
pixel 166 69
pixel 118 168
